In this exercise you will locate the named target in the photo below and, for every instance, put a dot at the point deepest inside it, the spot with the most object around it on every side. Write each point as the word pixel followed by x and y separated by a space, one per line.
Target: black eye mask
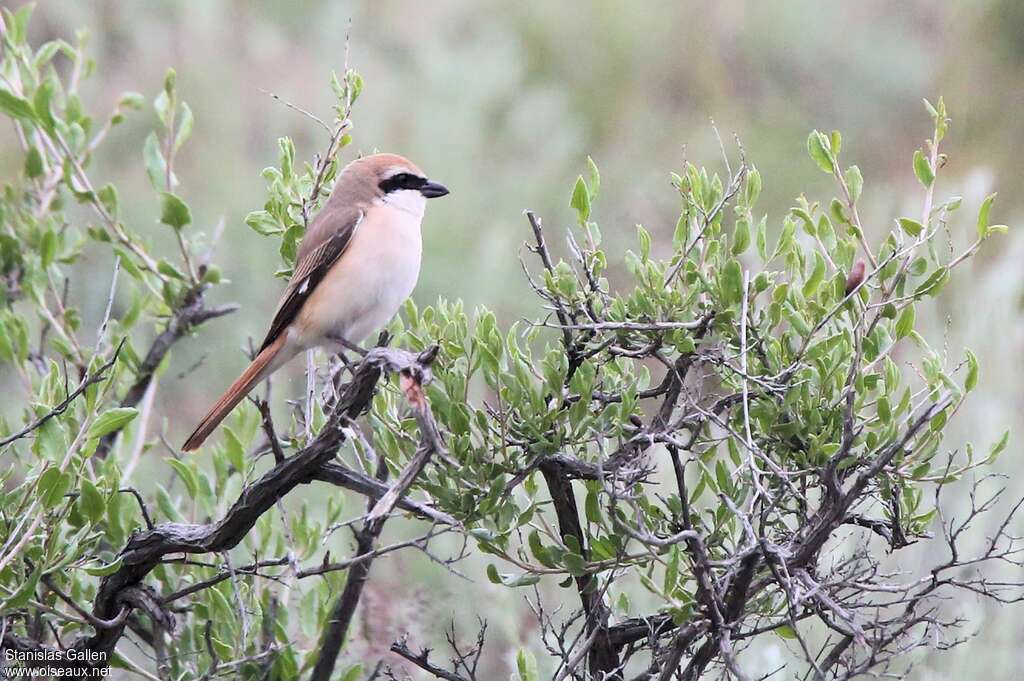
pixel 402 181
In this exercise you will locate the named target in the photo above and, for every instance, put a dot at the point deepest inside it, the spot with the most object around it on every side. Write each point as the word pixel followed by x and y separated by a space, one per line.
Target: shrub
pixel 712 446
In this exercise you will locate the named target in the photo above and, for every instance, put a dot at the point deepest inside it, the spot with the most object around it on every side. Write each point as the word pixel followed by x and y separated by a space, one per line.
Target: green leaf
pixel 905 324
pixel 53 484
pixel 731 282
pixel 835 143
pixel 581 200
pixel 15 106
pixel 354 673
pixel 741 236
pixel 854 182
pixel 595 178
pixel 33 163
pixel 762 238
pixel 923 169
pixel 753 188
pixel 41 103
pixel 575 564
pixel 184 127
pixel 25 592
pixel 785 237
pixel 911 227
pixel 91 501
pixel 168 270
pixel 174 212
pixel 112 420
pixel 934 283
pixel 883 409
pixel 104 570
pixel 644 237
pixel 187 475
pixel 817 148
pixel 48 248
pixel 592 508
pixel 526 665
pixel 986 206
pixel 492 574
pixel 681 234
pixel 817 276
pixel 156 166
pixel 972 372
pixel 107 195
pixel 263 223
pixel 998 448
pixel 132 100
pixel 785 631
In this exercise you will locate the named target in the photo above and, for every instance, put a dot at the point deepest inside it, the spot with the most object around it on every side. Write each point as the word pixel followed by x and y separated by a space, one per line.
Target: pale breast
pixel 370 281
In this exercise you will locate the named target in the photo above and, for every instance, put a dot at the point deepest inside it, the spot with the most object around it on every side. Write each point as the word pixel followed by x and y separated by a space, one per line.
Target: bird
pixel 357 263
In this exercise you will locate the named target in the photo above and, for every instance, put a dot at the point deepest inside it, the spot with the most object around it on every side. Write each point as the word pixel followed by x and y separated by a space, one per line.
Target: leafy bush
pixel 713 446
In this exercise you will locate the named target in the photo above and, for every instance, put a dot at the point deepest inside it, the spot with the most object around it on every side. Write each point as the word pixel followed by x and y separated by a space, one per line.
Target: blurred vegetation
pixel 504 102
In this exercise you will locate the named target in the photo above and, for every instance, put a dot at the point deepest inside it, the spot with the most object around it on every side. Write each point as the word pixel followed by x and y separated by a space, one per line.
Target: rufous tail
pixel 260 368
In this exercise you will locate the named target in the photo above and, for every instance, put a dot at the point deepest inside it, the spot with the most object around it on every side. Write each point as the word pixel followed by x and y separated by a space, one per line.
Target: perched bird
pixel 356 265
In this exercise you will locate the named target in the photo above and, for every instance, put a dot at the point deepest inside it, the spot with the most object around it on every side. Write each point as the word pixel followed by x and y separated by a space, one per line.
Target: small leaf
pixel 785 631
pixel 174 212
pixel 48 248
pixel 104 570
pixel 644 237
pixel 25 592
pixel 107 195
pixel 817 276
pixel 883 409
pixel 263 223
pixel 91 501
pixel 132 100
pixel 156 166
pixel 817 147
pixel 526 665
pixel 835 143
pixel 972 372
pixel 986 206
pixel 187 475
pixel 33 163
pixel 934 283
pixel 905 324
pixel 184 127
pixel 15 106
pixel 741 237
pixel 911 227
pixel 854 182
pixel 753 188
pixel 52 486
pixel 168 270
pixel 731 282
pixel 595 178
pixel 492 574
pixel 923 169
pixel 112 420
pixel 581 200
pixel 998 448
pixel 41 103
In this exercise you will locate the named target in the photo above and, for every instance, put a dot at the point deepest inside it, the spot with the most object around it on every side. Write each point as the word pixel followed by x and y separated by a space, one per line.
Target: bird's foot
pixel 347 344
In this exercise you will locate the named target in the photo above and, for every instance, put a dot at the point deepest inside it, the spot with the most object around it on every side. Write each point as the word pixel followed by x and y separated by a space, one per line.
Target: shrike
pixel 358 262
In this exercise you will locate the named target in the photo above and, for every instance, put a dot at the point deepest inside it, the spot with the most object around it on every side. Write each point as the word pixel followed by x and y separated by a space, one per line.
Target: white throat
pixel 407 200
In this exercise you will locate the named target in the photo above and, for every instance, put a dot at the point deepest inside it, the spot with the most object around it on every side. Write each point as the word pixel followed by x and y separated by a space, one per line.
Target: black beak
pixel 433 190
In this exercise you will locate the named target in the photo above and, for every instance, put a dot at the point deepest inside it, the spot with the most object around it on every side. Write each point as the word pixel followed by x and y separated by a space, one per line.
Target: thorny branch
pixel 124 591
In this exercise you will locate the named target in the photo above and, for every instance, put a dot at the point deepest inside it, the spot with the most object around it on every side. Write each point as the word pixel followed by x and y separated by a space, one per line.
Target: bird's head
pixel 393 180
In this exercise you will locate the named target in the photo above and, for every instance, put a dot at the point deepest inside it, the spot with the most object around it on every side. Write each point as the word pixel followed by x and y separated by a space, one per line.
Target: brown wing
pixel 326 239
